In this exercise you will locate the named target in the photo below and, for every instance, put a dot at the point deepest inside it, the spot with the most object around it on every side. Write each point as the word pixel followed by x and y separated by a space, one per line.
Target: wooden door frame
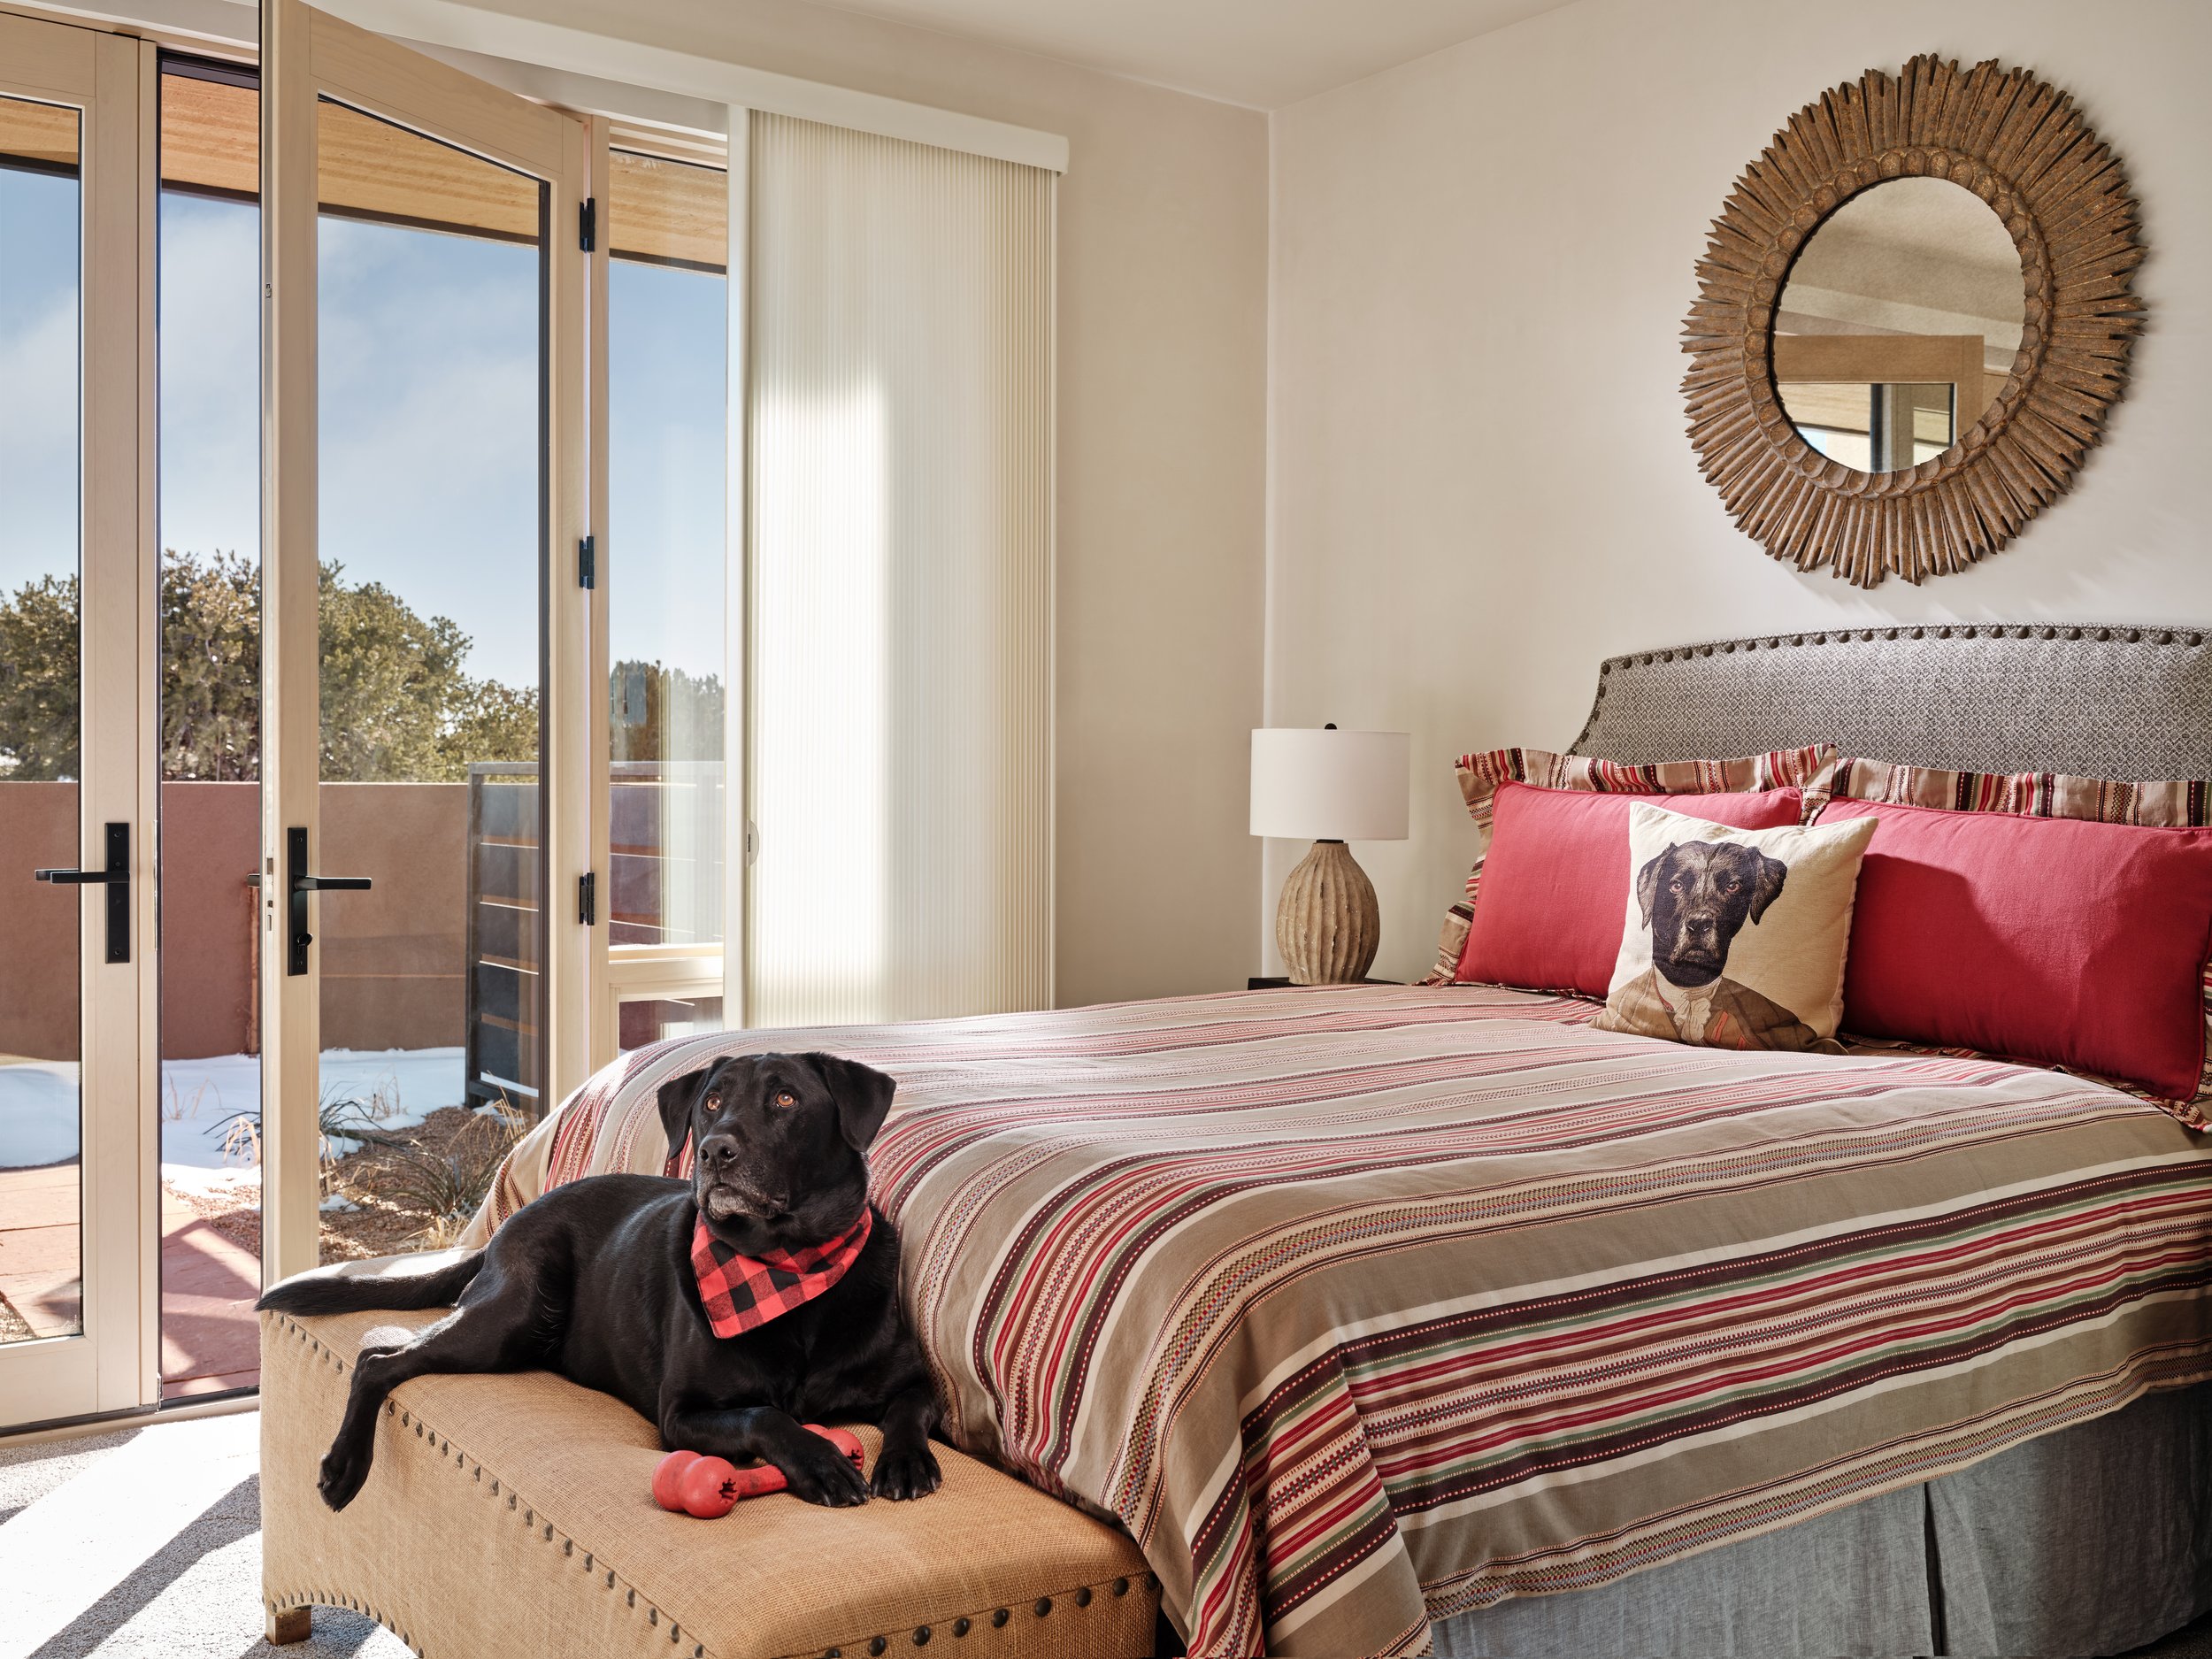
pixel 305 55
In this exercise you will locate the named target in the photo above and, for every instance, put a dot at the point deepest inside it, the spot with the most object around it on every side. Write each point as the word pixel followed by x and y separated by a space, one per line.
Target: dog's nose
pixel 716 1150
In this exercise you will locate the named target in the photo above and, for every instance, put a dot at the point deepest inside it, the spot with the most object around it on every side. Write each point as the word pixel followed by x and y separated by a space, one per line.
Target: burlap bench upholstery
pixel 514 1515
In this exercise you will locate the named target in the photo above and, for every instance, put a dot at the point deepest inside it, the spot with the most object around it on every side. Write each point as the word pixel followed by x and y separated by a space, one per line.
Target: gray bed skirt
pixel 2094 1540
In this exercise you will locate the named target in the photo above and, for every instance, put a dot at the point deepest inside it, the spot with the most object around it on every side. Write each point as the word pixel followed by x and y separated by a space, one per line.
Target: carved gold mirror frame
pixel 2020 145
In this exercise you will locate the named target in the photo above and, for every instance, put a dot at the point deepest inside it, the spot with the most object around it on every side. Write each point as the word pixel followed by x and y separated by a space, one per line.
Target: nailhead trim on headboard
pixel 2117 700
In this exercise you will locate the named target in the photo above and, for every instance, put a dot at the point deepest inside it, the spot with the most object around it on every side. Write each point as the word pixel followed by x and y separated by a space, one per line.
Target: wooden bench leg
pixel 294 1623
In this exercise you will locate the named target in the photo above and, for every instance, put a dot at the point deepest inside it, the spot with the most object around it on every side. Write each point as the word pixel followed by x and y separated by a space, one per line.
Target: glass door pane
pixel 209 841
pixel 430 361
pixel 667 333
pixel 42 1115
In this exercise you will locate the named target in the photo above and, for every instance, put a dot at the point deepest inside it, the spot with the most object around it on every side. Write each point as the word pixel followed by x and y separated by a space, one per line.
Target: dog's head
pixel 779 1144
pixel 1696 898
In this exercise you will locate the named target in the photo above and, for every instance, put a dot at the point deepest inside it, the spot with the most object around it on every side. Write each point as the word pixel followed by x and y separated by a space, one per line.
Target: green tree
pixel 390 684
pixel 38 681
pixel 210 669
pixel 488 721
pixel 664 713
pixel 396 704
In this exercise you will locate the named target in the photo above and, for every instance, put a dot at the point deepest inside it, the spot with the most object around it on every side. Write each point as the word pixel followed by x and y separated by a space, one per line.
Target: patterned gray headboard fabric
pixel 2102 701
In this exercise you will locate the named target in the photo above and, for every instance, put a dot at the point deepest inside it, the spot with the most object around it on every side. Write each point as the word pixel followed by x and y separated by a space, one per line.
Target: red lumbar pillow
pixel 1547 913
pixel 2064 942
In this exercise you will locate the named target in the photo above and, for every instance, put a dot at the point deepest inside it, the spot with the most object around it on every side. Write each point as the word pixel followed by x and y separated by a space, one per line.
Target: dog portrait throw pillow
pixel 1734 938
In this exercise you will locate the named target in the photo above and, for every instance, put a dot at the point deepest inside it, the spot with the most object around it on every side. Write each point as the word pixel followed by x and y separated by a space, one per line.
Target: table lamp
pixel 1333 786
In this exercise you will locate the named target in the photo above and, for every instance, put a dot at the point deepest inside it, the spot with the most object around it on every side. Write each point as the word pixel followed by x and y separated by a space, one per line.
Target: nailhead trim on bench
pixel 1082 1596
pixel 461 1462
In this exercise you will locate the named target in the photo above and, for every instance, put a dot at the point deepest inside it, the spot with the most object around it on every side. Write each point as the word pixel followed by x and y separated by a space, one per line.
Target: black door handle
pixel 116 878
pixel 298 884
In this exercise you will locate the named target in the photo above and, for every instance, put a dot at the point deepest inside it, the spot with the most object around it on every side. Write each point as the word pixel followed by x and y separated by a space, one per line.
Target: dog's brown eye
pixel 714 1102
pixel 785 1097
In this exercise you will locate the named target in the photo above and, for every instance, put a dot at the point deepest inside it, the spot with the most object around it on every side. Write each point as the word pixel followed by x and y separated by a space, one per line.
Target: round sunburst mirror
pixel 1915 311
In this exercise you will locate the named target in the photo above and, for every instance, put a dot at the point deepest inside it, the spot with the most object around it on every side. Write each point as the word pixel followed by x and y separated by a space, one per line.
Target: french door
pixel 424 422
pixel 391 939
pixel 77 1159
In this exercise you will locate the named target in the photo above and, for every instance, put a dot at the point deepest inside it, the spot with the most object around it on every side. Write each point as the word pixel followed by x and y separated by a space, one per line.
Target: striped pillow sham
pixel 2174 805
pixel 1810 769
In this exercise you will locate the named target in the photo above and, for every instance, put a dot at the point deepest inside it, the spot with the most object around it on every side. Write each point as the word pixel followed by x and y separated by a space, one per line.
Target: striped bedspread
pixel 1361 1306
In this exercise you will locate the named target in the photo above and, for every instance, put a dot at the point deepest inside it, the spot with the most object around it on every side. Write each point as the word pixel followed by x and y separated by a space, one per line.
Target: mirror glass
pixel 1898 325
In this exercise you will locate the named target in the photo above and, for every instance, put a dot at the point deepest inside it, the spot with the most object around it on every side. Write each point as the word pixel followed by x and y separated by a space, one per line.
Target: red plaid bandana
pixel 742 1292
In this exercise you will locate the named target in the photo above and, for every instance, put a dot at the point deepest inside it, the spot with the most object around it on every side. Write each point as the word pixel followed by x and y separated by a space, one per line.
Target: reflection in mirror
pixel 1898 325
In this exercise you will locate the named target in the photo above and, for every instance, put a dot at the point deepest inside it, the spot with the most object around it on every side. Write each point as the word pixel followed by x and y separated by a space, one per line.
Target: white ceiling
pixel 1261 53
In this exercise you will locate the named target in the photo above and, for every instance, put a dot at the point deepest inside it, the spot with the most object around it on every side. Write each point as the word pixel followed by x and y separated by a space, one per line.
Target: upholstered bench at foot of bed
pixel 512 1514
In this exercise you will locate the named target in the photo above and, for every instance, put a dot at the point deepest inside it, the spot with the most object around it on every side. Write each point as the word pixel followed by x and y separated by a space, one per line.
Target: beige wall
pixel 1161 357
pixel 1481 481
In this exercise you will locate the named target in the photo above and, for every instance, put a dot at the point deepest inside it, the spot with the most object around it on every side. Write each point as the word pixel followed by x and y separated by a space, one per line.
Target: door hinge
pixel 588 224
pixel 587 562
pixel 587 898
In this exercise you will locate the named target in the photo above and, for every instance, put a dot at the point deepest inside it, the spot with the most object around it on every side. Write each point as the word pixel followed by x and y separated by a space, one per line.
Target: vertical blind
pixel 900 498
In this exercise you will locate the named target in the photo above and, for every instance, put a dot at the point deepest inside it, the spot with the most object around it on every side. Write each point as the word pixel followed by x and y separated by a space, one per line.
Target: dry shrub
pixel 446 1184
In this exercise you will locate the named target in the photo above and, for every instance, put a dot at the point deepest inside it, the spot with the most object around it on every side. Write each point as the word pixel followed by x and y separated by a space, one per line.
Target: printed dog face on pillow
pixel 1696 898
pixel 1733 939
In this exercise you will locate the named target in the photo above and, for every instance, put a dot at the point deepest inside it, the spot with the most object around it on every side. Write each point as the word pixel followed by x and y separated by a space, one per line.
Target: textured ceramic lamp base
pixel 1328 925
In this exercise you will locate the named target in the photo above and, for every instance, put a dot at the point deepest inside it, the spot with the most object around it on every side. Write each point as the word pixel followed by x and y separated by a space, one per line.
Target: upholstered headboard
pixel 2102 701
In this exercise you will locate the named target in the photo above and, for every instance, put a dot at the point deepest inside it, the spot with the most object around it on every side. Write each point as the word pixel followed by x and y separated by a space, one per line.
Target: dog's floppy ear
pixel 863 1094
pixel 676 1097
pixel 1768 875
pixel 1647 882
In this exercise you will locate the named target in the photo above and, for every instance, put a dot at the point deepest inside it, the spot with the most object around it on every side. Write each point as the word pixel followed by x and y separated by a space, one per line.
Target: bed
pixel 1400 1319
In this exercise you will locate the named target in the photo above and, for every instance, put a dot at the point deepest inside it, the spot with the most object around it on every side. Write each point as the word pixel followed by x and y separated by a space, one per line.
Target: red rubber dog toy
pixel 685 1483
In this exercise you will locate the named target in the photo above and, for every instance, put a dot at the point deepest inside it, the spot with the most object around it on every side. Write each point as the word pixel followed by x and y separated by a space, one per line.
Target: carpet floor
pixel 146 1544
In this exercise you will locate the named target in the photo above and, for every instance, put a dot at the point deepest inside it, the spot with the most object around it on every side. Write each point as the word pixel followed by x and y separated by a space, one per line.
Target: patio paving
pixel 39 1268
pixel 210 1339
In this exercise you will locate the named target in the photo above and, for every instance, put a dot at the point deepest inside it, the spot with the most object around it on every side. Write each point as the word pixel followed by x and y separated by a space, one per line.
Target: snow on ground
pixel 38 1112
pixel 201 1101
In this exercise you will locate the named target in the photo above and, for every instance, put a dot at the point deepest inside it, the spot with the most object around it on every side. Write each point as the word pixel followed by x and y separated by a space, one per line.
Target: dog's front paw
pixel 343 1471
pixel 819 1473
pixel 906 1473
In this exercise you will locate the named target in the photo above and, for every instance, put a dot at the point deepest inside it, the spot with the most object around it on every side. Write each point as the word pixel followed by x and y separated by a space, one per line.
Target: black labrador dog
pixel 595 1280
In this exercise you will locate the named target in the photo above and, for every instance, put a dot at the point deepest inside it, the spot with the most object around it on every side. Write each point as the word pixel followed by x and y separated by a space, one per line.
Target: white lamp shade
pixel 1327 785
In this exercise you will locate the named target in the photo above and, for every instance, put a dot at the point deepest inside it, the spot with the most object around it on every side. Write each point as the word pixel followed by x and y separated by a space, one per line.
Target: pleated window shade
pixel 900 490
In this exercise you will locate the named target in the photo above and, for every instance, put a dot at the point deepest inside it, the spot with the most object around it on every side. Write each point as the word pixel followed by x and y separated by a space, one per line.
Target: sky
pixel 667 339
pixel 38 378
pixel 428 420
